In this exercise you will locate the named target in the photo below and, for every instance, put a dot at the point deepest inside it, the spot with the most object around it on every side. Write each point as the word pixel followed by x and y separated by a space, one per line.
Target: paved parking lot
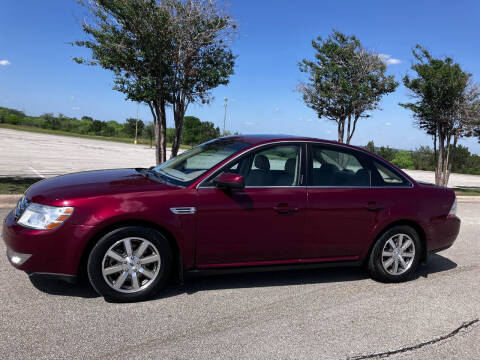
pixel 30 154
pixel 314 314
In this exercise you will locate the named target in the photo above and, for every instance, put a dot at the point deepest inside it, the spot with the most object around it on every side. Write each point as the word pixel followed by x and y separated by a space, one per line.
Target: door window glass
pixel 388 177
pixel 274 166
pixel 332 167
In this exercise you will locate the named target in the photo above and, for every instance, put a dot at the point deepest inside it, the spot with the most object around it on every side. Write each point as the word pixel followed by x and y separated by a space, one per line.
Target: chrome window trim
pixel 264 187
pixel 360 187
pixel 305 142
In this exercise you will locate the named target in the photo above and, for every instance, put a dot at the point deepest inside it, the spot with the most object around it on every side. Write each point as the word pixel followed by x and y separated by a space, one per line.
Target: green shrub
pixel 403 159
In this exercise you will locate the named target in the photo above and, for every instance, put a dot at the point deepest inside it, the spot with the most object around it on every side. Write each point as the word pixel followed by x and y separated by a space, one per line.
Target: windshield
pixel 188 166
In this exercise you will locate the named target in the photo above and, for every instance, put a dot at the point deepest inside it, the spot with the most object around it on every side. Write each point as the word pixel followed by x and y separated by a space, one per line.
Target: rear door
pixel 341 204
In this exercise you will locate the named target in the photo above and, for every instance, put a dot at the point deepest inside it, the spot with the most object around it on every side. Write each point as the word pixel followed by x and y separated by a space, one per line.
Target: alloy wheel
pixel 398 254
pixel 131 265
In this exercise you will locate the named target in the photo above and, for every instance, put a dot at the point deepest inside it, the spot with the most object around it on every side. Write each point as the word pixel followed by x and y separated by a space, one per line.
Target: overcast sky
pixel 37 74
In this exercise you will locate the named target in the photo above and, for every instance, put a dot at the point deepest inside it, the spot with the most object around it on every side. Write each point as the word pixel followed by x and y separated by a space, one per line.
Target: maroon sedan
pixel 232 203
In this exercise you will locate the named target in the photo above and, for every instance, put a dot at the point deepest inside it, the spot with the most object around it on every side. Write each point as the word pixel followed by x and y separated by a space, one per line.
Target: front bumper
pixel 55 251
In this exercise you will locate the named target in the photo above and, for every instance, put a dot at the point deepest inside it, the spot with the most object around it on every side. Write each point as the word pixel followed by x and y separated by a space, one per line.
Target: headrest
pixel 317 155
pixel 328 168
pixel 290 165
pixel 362 172
pixel 261 162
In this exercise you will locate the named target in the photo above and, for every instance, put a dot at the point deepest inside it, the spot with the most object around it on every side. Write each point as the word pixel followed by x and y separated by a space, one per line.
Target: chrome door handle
pixel 374 206
pixel 283 208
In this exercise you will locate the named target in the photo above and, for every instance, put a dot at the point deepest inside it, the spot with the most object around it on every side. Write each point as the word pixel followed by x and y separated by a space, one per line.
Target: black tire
pixel 376 268
pixel 96 262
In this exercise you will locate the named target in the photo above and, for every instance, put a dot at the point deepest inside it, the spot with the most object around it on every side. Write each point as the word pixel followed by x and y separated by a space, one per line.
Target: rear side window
pixel 336 167
pixel 387 176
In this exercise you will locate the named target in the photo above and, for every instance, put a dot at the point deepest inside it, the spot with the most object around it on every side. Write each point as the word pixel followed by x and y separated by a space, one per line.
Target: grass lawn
pixel 93 137
pixel 466 191
pixel 9 185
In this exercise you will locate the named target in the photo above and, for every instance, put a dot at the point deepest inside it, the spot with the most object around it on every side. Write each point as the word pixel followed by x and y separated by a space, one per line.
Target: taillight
pixel 453 209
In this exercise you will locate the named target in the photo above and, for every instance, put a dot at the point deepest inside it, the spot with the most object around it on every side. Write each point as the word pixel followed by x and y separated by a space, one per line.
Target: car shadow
pixel 197 283
pixel 62 288
pixel 436 263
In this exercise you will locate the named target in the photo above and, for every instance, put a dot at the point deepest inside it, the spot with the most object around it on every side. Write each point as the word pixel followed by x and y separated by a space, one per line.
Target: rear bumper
pixel 443 233
pixel 50 252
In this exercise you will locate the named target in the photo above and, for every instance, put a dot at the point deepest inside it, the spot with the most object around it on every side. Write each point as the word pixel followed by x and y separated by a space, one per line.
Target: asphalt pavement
pixel 317 314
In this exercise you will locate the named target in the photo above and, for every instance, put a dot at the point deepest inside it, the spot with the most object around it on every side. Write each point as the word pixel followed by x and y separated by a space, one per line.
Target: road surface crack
pixel 385 354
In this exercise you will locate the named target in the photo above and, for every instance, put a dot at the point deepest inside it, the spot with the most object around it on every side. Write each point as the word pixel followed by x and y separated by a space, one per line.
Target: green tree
pixel 170 135
pixel 51 122
pixel 370 146
pixel 96 127
pixel 345 82
pixel 149 132
pixel 423 158
pixel 201 58
pixel 460 158
pixel 387 153
pixel 196 132
pixel 403 159
pixel 133 39
pixel 161 52
pixel 129 127
pixel 446 105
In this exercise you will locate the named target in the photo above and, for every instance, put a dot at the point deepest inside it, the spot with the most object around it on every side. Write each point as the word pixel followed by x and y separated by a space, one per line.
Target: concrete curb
pixel 10 200
pixel 468 199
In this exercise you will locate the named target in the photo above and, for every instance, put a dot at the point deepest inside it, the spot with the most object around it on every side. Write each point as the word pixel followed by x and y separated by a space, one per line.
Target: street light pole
pixel 225 114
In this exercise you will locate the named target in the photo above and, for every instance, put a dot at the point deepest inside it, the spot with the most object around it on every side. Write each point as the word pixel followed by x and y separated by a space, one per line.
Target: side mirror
pixel 230 181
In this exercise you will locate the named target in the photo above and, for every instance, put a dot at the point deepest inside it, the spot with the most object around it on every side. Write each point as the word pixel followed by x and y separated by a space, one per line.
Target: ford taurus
pixel 234 203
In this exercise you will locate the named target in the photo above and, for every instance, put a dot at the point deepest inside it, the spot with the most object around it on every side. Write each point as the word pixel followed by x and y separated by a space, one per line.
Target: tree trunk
pixel 439 166
pixel 341 129
pixel 455 139
pixel 178 133
pixel 446 163
pixel 348 127
pixel 178 116
pixel 160 123
pixel 350 133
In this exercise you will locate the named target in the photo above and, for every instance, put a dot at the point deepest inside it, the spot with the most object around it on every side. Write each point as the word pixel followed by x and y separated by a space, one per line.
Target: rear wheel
pixel 396 255
pixel 129 264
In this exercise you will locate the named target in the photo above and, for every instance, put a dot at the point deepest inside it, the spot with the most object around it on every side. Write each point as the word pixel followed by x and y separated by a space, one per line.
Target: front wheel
pixel 129 264
pixel 396 255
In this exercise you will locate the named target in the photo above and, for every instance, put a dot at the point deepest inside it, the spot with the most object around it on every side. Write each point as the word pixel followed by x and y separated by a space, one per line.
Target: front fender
pixel 99 215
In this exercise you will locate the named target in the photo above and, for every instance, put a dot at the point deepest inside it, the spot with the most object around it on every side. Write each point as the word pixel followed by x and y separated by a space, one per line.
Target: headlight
pixel 43 217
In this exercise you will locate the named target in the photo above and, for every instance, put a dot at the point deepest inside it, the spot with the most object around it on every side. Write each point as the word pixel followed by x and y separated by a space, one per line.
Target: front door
pixel 260 224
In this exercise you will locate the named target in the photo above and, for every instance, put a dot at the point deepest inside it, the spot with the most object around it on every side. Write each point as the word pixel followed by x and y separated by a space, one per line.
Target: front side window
pixel 336 167
pixel 188 166
pixel 275 166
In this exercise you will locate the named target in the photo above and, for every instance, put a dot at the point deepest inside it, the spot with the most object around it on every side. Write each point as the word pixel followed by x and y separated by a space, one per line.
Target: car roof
pixel 257 139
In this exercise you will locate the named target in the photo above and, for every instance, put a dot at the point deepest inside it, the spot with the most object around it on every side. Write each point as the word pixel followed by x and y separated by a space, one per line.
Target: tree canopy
pixel 446 106
pixel 345 82
pixel 197 132
pixel 167 52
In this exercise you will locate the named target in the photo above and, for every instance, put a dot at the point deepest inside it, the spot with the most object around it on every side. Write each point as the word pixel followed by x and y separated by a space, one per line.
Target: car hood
pixel 92 184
